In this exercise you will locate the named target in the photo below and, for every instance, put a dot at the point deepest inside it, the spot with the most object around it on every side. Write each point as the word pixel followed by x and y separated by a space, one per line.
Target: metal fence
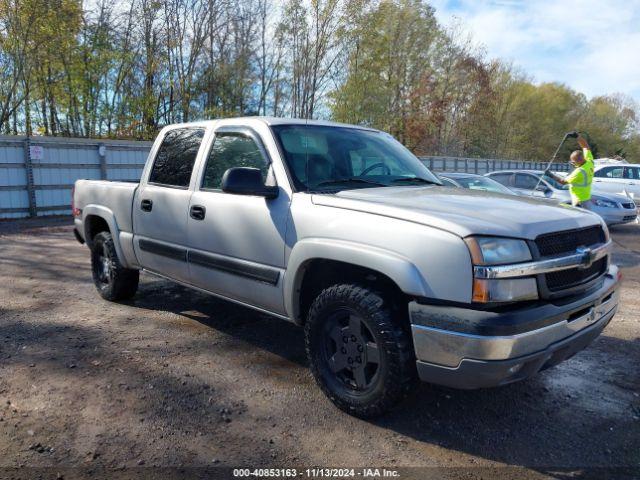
pixel 481 166
pixel 37 173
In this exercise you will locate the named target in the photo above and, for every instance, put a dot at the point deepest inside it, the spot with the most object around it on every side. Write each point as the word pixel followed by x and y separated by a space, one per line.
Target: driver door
pixel 237 242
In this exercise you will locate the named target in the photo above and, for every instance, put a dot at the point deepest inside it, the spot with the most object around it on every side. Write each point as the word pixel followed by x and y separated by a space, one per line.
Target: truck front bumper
pixel 468 349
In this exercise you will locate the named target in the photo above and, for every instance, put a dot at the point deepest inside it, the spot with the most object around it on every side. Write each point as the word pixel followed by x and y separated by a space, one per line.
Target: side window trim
pixel 241 131
pixel 193 168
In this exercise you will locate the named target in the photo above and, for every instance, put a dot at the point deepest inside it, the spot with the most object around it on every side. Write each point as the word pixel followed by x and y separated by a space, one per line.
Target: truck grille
pixel 575 276
pixel 559 243
pixel 568 241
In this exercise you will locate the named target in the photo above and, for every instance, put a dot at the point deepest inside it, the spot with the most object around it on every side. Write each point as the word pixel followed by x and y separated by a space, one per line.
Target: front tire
pixel 359 350
pixel 112 280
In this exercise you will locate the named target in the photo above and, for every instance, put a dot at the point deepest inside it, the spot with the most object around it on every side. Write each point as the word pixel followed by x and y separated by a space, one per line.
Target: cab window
pixel 231 150
pixel 174 161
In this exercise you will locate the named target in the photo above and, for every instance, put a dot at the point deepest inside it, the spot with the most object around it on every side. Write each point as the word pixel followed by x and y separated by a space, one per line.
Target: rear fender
pixel 108 216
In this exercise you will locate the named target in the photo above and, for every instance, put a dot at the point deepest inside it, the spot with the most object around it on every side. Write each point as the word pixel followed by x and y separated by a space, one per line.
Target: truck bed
pixel 115 196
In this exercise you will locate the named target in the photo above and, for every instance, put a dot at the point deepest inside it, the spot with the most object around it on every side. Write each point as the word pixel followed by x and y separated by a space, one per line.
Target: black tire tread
pixel 125 280
pixel 396 341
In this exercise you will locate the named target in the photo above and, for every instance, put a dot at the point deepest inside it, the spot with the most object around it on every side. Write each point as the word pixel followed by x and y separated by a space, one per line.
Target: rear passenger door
pixel 161 204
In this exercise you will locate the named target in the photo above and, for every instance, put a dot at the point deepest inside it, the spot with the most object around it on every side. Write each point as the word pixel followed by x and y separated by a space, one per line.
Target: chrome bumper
pixel 464 359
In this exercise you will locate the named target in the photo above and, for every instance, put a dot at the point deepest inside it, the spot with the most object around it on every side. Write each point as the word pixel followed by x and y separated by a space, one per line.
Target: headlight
pixel 497 251
pixel 500 251
pixel 599 202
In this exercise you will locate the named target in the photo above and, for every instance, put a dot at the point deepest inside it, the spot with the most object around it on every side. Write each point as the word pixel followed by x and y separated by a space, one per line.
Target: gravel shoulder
pixel 175 378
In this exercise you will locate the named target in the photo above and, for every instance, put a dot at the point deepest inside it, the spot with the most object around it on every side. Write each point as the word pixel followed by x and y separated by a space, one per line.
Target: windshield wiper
pixel 414 179
pixel 339 181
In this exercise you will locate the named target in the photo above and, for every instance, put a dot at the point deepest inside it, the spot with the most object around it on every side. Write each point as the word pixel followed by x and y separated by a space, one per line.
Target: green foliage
pixel 125 69
pixel 439 96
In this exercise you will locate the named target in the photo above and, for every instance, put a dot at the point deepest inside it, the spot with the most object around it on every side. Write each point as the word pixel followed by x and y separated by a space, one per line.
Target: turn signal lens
pixel 504 290
pixel 480 291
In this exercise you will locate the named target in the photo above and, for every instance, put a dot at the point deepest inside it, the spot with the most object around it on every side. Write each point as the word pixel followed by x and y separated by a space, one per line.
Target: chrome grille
pixel 575 276
pixel 567 242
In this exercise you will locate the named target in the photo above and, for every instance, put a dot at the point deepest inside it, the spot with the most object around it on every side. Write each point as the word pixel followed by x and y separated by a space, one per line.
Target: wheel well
pixel 321 273
pixel 95 225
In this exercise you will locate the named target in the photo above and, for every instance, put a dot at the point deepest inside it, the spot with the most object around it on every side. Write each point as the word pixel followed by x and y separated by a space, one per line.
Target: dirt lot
pixel 176 380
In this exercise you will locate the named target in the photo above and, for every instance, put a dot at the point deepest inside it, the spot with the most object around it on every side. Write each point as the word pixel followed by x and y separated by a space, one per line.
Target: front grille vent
pixel 557 243
pixel 575 276
pixel 567 243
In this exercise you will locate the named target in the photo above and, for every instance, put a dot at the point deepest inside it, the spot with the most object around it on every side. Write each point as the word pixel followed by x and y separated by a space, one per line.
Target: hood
pixel 461 211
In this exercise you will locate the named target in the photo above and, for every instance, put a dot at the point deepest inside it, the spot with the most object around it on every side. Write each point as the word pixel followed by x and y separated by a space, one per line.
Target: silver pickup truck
pixel 343 231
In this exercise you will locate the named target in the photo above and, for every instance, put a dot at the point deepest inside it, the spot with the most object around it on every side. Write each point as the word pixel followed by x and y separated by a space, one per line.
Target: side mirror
pixel 543 188
pixel 247 181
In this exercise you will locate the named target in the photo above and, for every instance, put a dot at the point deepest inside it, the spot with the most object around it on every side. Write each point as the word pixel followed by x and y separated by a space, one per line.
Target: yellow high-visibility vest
pixel 580 179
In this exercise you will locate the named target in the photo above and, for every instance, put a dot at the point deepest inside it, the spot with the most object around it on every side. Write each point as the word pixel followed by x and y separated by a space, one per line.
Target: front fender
pixel 396 267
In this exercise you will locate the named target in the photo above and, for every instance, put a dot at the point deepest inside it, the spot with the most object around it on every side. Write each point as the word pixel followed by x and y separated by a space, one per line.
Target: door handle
pixel 146 205
pixel 197 212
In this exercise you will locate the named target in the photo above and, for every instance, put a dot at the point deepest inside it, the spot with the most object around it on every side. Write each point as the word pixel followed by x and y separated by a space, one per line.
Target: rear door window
pixel 609 172
pixel 174 161
pixel 503 178
pixel 526 181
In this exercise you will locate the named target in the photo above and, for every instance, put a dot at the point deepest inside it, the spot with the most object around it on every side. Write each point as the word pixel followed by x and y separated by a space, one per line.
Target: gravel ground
pixel 180 381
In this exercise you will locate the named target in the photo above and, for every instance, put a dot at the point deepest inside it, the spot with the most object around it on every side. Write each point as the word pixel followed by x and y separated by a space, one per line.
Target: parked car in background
pixel 477 182
pixel 473 182
pixel 617 179
pixel 613 208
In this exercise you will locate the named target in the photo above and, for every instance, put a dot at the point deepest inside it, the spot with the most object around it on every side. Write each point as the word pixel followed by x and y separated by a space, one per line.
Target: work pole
pixel 28 166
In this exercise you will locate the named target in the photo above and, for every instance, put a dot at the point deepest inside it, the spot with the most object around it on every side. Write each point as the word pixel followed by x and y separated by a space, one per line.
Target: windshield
pixel 326 158
pixel 483 183
pixel 554 183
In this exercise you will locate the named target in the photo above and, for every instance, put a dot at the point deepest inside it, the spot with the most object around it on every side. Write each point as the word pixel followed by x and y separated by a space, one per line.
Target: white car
pixel 623 179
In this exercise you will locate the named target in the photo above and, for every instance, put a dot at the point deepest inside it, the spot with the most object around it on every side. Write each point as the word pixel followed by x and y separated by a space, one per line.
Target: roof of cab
pixel 269 121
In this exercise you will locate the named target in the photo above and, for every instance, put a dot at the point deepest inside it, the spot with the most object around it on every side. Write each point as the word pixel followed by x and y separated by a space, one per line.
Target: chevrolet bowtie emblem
pixel 587 256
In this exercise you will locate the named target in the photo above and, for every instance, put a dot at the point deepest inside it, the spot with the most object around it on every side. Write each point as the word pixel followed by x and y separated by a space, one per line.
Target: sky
pixel 592 46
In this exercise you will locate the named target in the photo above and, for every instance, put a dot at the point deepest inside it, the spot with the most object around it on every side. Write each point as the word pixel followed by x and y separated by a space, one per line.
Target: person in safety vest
pixel 580 179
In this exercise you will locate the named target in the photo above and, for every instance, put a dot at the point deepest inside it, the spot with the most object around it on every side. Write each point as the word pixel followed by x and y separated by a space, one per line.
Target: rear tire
pixel 360 350
pixel 112 280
